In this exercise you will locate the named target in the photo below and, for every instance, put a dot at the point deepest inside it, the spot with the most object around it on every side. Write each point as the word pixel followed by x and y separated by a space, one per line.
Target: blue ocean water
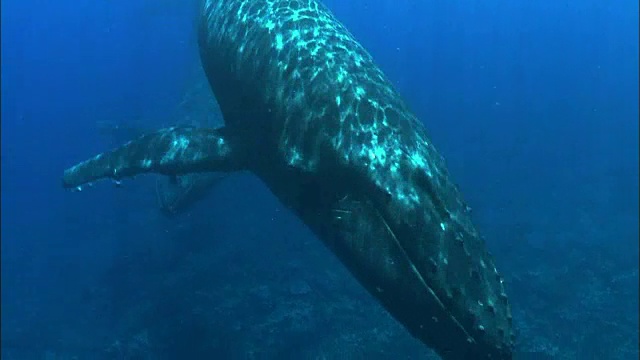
pixel 534 105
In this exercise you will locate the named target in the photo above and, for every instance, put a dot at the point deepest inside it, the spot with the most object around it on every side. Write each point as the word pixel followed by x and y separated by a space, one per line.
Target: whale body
pixel 307 110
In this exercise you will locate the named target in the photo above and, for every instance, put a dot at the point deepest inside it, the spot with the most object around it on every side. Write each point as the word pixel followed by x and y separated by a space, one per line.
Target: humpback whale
pixel 307 110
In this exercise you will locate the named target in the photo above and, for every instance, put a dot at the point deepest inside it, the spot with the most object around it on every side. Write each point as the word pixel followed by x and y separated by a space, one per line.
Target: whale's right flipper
pixel 172 151
pixel 178 193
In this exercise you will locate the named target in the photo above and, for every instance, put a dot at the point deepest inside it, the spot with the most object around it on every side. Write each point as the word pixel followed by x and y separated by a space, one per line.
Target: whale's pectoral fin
pixel 171 151
pixel 178 193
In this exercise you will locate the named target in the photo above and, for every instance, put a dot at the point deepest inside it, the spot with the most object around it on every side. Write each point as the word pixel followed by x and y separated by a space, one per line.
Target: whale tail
pixel 171 151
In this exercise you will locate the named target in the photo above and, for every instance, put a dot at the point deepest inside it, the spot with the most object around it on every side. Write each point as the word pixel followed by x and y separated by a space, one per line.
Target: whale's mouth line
pixel 414 269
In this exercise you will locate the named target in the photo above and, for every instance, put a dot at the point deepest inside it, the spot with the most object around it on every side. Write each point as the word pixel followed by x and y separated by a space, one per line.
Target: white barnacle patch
pixel 294 157
pixel 145 164
pixel 359 60
pixel 443 226
pixel 338 100
pixel 413 196
pixel 417 160
pixel 181 143
pixel 402 195
pixel 177 145
pixel 337 140
pixel 270 25
pixel 316 49
pixel 220 142
pixel 377 154
pixel 394 168
pixel 342 74
pixel 372 156
pixel 279 42
pixel 443 259
pixel 240 10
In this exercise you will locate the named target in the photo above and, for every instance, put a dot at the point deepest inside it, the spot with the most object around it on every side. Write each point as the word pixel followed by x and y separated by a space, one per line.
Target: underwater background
pixel 534 105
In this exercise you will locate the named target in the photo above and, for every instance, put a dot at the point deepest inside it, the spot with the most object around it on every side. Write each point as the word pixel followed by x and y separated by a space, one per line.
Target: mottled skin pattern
pixel 307 110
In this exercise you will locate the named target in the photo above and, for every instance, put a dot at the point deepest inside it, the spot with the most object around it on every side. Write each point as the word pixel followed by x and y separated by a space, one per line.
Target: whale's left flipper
pixel 171 151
